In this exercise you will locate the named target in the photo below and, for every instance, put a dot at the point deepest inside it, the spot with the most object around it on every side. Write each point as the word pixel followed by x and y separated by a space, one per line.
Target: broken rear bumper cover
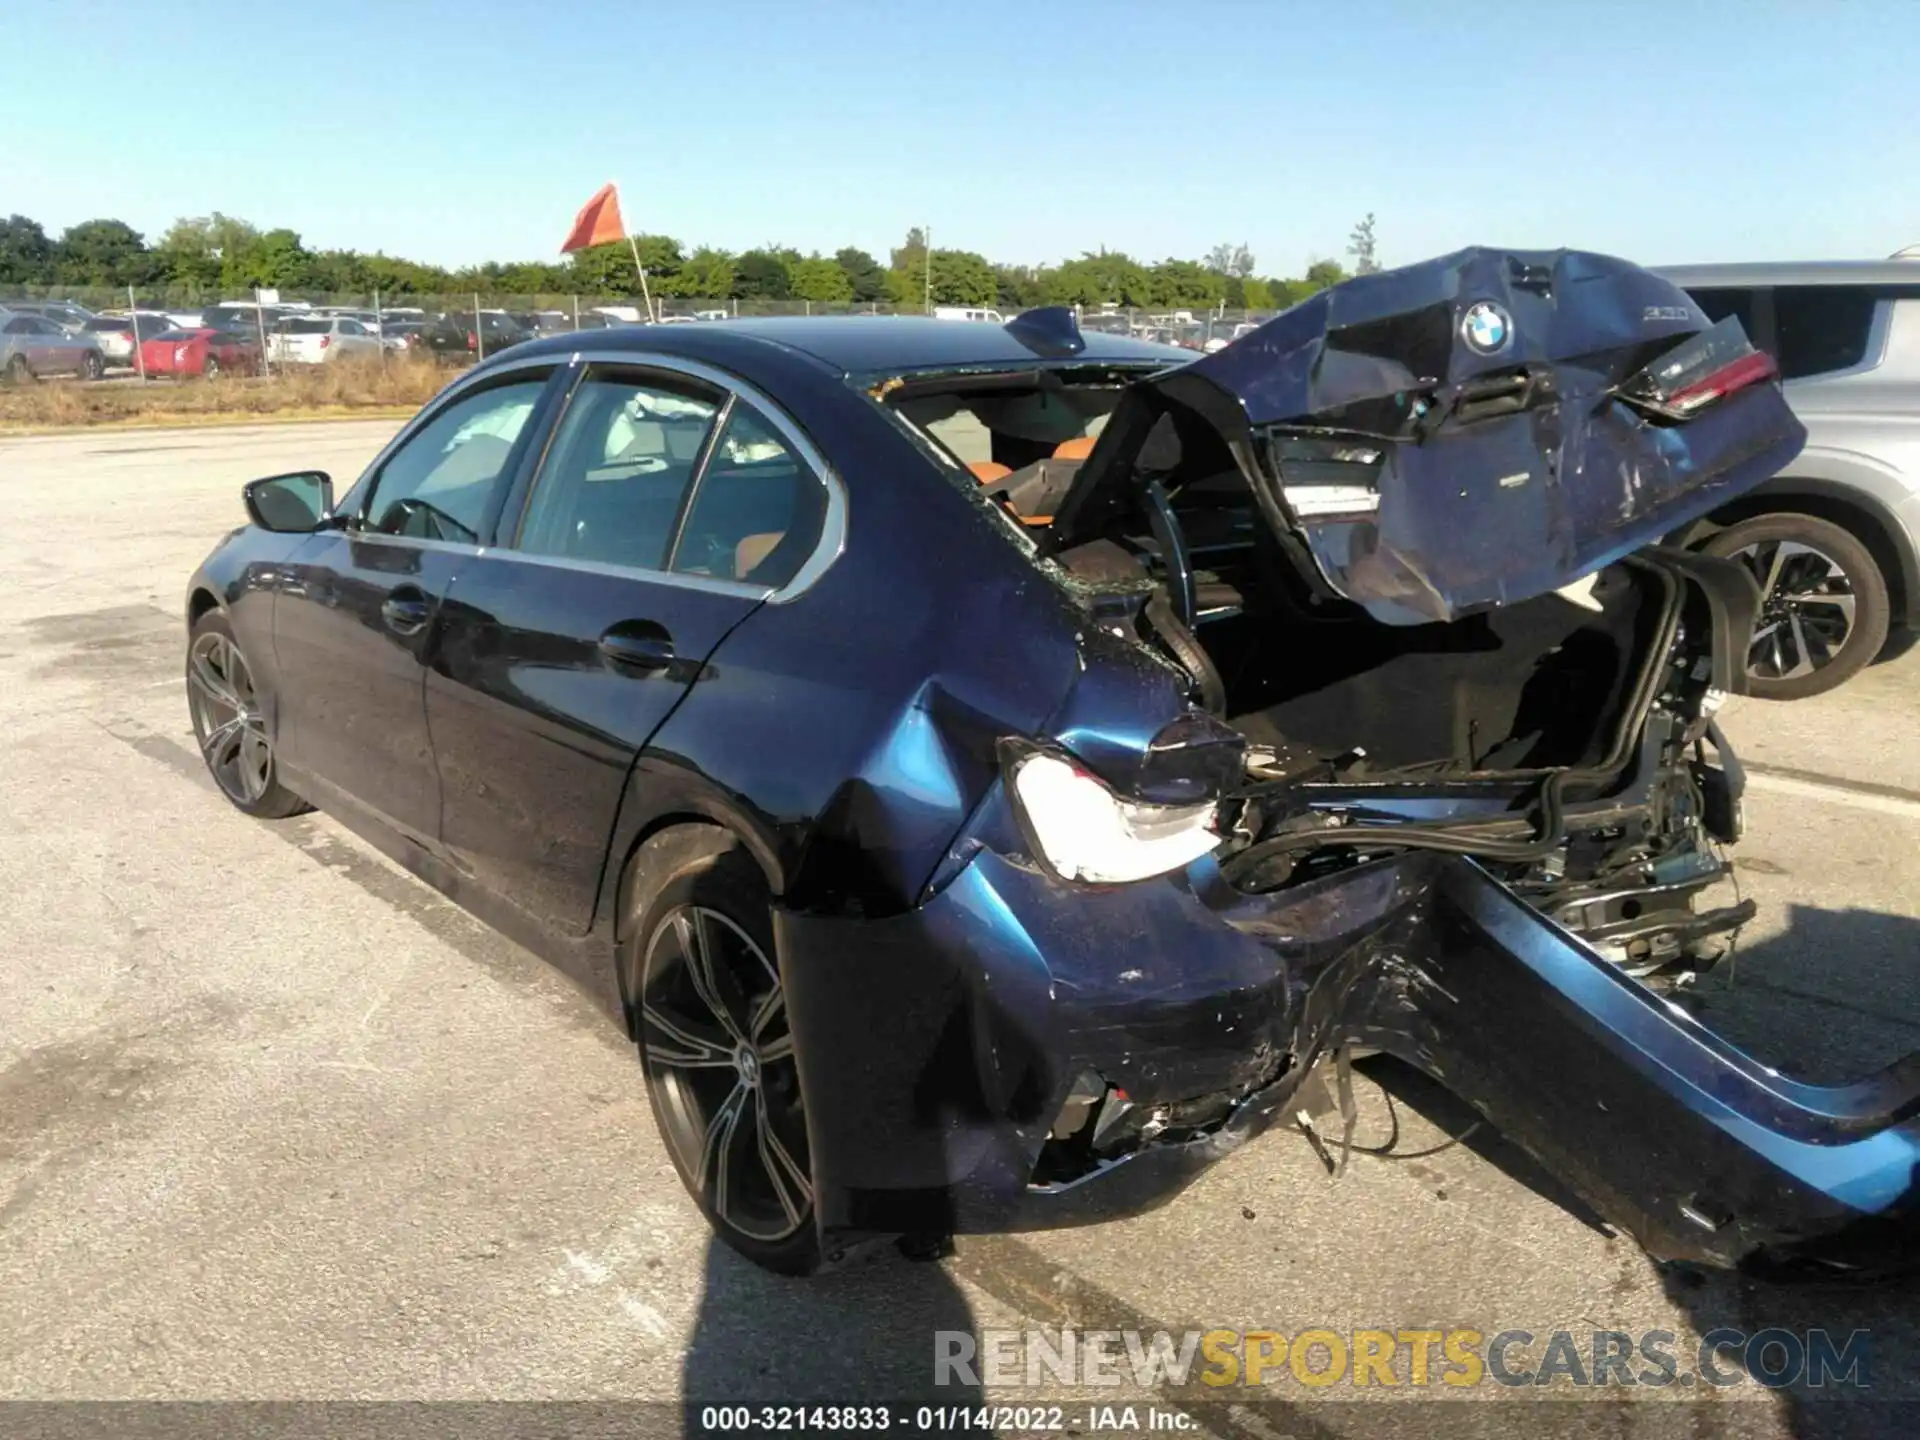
pixel 958 1059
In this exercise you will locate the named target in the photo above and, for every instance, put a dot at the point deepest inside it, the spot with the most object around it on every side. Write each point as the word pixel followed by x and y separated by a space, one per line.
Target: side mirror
pixel 289 504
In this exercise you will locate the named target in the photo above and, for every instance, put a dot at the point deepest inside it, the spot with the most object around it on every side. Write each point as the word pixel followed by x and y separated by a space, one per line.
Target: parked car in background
pixel 968 312
pixel 403 335
pixel 320 340
pixel 66 314
pixel 462 336
pixel 32 346
pixel 245 315
pixel 1834 541
pixel 201 351
pixel 118 334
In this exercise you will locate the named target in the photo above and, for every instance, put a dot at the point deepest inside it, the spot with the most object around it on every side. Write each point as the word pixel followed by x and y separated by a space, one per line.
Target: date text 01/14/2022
pixel 813 1419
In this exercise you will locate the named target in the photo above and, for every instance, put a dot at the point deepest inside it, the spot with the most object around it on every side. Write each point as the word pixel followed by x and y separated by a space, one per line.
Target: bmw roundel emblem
pixel 1486 328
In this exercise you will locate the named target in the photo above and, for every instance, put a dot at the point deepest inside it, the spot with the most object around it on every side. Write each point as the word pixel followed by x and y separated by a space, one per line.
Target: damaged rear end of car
pixel 1393 731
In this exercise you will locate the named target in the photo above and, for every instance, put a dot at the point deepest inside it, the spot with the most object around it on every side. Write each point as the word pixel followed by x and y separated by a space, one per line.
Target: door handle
pixel 405 612
pixel 637 645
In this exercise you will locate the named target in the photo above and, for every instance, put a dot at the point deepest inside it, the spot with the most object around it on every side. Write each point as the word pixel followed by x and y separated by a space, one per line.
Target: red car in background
pixel 201 352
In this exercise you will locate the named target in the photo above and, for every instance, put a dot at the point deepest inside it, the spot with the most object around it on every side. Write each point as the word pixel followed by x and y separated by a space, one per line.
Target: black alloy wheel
pixel 92 367
pixel 1824 609
pixel 711 1019
pixel 224 704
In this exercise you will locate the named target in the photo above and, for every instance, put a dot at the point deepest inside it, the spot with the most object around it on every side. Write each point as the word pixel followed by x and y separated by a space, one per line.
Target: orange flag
pixel 597 223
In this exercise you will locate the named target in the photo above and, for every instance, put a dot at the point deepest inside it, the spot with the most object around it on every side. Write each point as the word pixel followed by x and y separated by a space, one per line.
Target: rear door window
pixel 617 474
pixel 1819 329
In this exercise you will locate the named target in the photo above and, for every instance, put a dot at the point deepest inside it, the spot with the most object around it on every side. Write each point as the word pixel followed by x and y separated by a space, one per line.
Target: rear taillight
pixel 1707 368
pixel 473 341
pixel 325 340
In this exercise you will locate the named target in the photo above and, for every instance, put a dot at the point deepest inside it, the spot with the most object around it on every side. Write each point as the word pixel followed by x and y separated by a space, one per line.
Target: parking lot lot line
pixel 1859 795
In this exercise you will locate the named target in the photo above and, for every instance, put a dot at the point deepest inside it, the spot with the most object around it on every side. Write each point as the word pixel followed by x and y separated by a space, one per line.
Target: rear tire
pixel 1824 609
pixel 211 370
pixel 92 367
pixel 710 1017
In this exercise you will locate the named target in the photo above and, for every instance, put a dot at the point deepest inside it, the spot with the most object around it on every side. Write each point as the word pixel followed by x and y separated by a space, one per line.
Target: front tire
pixel 1824 609
pixel 19 372
pixel 227 721
pixel 710 1017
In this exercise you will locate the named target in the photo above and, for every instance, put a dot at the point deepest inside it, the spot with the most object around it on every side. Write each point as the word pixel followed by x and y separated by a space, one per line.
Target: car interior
pixel 1293 666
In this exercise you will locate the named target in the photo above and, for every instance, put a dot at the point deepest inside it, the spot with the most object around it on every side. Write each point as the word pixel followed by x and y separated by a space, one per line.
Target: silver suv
pixel 1835 541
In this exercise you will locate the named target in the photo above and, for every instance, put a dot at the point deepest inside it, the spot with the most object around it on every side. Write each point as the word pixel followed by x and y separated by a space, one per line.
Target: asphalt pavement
pixel 277 1122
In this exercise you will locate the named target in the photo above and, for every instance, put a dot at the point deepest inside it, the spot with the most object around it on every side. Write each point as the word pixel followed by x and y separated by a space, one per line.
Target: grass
pixel 345 388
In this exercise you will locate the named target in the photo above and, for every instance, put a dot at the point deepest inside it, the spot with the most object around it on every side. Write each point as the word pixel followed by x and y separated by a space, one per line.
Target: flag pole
pixel 634 245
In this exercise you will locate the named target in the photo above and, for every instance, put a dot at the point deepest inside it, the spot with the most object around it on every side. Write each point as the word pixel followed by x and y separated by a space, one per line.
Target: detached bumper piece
pixel 1020 1053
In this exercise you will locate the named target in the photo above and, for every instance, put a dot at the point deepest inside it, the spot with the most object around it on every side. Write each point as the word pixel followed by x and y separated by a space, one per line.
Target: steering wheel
pixel 424 521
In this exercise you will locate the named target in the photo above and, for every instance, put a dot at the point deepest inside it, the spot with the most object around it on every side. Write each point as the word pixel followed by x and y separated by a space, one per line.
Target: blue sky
pixel 1689 130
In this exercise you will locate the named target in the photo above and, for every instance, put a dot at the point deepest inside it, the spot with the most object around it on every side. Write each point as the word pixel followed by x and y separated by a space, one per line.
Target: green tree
pixel 1360 246
pixel 961 277
pixel 707 275
pixel 1232 261
pixel 26 254
pixel 276 260
pixel 103 252
pixel 907 274
pixel 1106 277
pixel 761 275
pixel 1017 287
pixel 1256 294
pixel 815 278
pixel 1185 283
pixel 1322 274
pixel 607 270
pixel 192 252
pixel 864 275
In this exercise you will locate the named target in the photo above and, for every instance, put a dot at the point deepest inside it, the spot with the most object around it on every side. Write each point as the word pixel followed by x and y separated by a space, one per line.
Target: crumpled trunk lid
pixel 1471 431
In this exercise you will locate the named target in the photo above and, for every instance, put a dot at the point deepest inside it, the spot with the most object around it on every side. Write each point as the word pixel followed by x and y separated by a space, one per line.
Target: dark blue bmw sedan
pixel 993 772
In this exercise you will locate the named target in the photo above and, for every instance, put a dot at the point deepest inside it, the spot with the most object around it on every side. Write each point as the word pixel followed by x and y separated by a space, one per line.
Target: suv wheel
pixel 1823 603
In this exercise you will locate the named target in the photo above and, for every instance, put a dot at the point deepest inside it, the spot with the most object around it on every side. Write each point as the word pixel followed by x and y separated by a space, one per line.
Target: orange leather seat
pixel 987 471
pixel 752 550
pixel 1077 448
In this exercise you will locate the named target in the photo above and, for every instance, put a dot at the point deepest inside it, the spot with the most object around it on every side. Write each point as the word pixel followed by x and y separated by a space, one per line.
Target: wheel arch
pixel 627 875
pixel 200 599
pixel 1864 516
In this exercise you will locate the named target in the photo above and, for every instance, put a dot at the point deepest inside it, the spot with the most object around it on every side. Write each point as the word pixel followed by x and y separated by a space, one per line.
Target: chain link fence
pixel 492 320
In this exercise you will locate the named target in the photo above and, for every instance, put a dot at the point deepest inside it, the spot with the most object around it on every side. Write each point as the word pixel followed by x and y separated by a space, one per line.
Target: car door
pixel 354 615
pixel 45 350
pixel 566 645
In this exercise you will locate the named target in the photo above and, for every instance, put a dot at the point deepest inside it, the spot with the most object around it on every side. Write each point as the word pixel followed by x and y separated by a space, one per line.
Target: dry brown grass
pixel 345 387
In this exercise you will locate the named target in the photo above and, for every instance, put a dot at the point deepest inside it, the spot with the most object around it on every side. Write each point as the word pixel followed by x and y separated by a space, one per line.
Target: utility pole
pixel 926 236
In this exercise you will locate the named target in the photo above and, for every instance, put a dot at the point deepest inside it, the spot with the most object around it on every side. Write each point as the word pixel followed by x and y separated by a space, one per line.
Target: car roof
pixel 862 344
pixel 1803 272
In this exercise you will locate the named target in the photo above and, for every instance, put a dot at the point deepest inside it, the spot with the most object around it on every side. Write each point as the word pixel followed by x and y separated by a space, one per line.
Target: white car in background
pixel 320 340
